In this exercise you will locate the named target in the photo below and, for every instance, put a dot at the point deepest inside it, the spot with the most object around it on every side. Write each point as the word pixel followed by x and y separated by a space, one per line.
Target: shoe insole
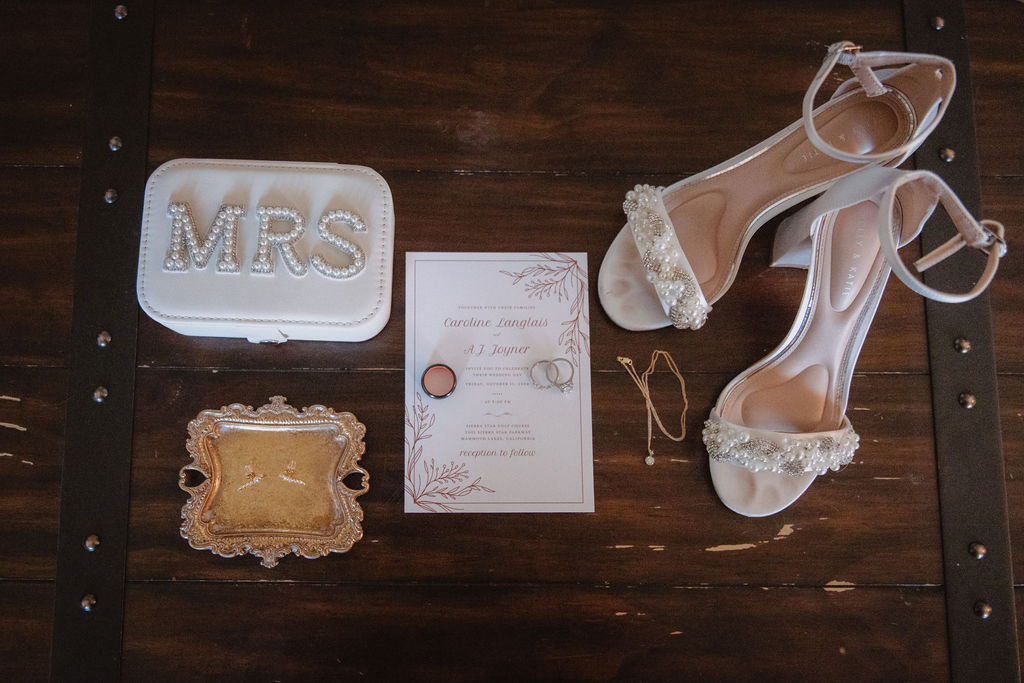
pixel 714 217
pixel 803 385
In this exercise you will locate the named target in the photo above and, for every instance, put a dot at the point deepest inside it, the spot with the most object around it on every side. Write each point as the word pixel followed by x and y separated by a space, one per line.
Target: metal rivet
pixel 938 23
pixel 120 12
pixel 114 143
pixel 967 400
pixel 100 393
pixel 102 339
pixel 962 345
pixel 92 542
pixel 88 602
pixel 947 154
pixel 983 609
pixel 110 196
pixel 978 550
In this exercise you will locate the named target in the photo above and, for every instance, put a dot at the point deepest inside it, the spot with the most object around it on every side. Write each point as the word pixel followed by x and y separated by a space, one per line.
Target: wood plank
pixel 654 87
pixel 876 522
pixel 27 607
pixel 39 213
pixel 457 633
pixel 31 446
pixel 45 51
pixel 1003 200
pixel 997 74
pixel 492 212
pixel 1011 417
pixel 1019 599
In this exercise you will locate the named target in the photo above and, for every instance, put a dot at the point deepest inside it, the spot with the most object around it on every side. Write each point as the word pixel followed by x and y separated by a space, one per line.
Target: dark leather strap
pixel 980 617
pixel 98 432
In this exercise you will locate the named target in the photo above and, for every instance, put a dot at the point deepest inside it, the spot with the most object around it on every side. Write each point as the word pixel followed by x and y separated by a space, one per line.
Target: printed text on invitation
pixel 499 442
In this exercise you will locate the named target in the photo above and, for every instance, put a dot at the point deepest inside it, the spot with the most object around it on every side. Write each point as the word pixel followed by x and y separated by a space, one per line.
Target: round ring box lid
pixel 267 250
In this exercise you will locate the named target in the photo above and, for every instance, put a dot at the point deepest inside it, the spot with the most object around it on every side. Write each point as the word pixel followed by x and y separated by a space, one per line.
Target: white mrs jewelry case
pixel 268 251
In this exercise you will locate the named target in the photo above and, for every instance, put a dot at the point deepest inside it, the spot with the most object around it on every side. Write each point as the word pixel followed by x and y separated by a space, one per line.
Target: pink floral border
pixel 559 275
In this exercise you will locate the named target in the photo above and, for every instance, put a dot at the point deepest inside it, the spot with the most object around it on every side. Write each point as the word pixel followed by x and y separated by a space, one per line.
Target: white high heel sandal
pixel 681 247
pixel 782 422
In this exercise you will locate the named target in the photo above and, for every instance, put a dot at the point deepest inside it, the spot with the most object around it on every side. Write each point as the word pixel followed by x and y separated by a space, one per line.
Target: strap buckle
pixel 845 52
pixel 995 236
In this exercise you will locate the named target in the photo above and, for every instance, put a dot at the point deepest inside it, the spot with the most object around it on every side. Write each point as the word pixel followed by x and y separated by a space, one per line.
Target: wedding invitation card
pixel 497 383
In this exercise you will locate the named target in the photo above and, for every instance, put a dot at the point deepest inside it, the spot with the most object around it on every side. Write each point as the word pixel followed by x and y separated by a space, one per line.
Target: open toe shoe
pixel 681 246
pixel 782 422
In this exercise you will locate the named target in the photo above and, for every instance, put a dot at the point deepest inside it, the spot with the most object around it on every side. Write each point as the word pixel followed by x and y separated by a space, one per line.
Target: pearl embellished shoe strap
pixel 780 452
pixel 642 383
pixel 663 259
pixel 861 63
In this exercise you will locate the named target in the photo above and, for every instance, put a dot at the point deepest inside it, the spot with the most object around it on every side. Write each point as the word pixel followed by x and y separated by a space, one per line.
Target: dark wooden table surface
pixel 500 126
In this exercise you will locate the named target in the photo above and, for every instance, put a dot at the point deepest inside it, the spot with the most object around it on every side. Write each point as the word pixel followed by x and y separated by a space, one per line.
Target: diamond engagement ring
pixel 565 386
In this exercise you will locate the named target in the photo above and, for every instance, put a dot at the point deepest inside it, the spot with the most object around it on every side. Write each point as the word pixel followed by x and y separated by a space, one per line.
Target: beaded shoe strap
pixel 663 259
pixel 783 453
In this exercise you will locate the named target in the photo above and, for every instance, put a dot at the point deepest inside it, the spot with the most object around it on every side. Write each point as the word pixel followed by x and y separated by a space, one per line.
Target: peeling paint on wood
pixel 729 548
pixel 835 586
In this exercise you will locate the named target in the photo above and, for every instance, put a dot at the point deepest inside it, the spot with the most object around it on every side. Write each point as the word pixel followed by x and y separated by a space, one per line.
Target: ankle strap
pixel 986 236
pixel 861 64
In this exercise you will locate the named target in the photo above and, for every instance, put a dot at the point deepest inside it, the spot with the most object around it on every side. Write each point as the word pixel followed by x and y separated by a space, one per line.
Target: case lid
pixel 267 250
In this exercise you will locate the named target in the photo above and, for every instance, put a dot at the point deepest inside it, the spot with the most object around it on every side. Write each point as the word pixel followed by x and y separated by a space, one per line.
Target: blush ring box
pixel 267 250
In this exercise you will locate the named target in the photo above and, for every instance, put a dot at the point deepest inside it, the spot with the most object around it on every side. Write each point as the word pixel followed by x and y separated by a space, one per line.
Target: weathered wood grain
pixel 530 87
pixel 27 607
pixel 31 446
pixel 997 74
pixel 1018 594
pixel 876 522
pixel 457 633
pixel 45 50
pixel 1003 201
pixel 1011 417
pixel 38 215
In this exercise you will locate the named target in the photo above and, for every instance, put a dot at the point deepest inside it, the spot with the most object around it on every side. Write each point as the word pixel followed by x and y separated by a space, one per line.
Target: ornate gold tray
pixel 273 481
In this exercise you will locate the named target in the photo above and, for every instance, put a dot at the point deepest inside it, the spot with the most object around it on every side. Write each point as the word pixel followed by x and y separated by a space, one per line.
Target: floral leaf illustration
pixel 560 276
pixel 432 486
